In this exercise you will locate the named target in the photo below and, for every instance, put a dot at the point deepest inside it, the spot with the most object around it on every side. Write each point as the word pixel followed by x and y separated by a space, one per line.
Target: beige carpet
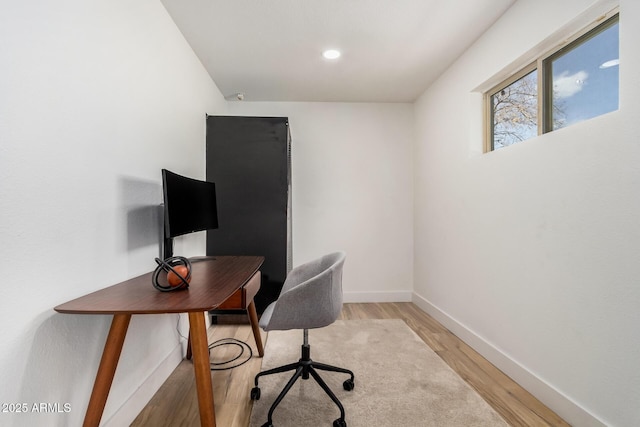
pixel 399 380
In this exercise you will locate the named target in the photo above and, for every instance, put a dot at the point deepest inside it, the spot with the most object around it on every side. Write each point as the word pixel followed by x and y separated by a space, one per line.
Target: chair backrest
pixel 311 296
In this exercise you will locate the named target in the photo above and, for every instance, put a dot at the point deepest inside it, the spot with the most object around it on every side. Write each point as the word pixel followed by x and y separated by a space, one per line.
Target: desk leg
pixel 202 368
pixel 107 369
pixel 253 319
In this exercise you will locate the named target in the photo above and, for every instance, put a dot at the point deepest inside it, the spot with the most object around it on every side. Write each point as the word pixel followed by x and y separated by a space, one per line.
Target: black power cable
pixel 218 366
pixel 224 341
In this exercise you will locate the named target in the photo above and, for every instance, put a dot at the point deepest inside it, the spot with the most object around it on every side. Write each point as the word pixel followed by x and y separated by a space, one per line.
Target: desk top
pixel 213 280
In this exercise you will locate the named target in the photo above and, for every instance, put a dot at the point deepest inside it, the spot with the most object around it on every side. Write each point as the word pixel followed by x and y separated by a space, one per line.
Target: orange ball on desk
pixel 173 279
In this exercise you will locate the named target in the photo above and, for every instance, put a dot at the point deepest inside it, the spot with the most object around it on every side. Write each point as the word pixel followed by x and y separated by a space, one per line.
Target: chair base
pixel 305 368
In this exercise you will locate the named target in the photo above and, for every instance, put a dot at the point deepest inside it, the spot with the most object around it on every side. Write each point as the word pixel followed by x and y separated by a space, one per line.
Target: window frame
pixel 545 79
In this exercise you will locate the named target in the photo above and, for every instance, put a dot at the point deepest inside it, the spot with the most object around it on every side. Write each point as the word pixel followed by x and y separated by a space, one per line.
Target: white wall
pixel 352 190
pixel 530 253
pixel 95 98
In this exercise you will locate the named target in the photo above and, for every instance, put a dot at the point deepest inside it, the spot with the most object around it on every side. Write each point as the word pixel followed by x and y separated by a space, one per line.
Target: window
pixel 566 86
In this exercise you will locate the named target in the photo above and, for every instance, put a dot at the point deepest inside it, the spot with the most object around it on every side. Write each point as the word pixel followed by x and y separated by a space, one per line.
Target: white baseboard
pixel 380 296
pixel 570 411
pixel 128 412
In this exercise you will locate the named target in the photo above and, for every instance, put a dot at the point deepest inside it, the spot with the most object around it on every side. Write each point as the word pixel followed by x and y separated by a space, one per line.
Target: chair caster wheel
pixel 255 395
pixel 340 422
pixel 267 424
pixel 348 385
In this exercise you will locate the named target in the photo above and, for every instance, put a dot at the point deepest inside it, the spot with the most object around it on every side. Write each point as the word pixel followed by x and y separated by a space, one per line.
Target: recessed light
pixel 331 54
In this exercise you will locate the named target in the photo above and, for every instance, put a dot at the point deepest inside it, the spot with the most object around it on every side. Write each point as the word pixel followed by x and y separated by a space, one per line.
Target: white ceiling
pixel 270 50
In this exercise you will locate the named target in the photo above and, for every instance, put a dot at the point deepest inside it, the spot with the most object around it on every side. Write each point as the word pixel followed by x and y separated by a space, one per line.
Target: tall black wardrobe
pixel 249 159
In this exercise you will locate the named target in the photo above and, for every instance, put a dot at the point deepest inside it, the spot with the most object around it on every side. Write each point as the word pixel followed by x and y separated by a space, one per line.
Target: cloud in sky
pixel 566 85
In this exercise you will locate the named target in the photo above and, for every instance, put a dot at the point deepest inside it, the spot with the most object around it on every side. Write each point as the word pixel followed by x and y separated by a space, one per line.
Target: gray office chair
pixel 311 297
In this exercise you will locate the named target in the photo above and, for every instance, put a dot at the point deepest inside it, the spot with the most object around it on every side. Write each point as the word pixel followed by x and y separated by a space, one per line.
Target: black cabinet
pixel 249 159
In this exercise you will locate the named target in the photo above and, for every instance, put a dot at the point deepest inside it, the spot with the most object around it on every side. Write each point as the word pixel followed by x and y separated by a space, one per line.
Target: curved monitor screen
pixel 189 204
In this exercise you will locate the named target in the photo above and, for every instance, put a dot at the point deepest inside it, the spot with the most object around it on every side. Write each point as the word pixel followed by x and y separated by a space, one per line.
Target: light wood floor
pixel 175 404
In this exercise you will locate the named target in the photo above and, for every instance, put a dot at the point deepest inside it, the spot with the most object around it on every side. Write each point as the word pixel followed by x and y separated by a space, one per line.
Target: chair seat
pixel 266 315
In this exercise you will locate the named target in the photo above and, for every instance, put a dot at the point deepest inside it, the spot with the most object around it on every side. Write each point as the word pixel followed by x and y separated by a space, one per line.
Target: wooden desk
pixel 213 281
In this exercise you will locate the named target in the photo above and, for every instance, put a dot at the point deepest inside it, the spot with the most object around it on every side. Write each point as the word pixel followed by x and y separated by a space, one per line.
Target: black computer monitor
pixel 189 206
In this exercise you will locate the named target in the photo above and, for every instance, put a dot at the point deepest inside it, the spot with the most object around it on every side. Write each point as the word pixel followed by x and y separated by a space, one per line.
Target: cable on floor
pixel 244 347
pixel 218 366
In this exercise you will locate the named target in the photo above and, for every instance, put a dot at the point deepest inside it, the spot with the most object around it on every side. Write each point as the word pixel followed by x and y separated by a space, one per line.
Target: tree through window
pixel 515 111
